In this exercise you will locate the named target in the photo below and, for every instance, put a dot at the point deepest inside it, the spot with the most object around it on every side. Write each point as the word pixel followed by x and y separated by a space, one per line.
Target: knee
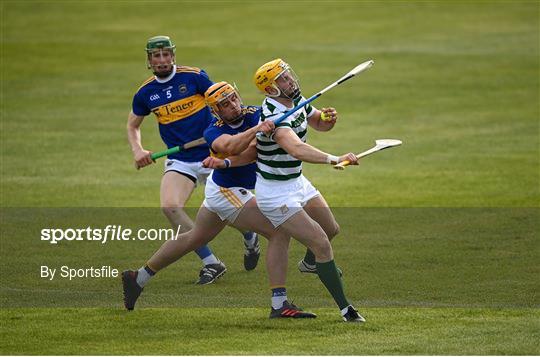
pixel 279 240
pixel 274 235
pixel 171 209
pixel 322 249
pixel 194 243
pixel 334 231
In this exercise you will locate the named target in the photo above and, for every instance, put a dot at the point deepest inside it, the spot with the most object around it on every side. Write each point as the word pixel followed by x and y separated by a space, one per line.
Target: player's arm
pixel 315 120
pixel 246 157
pixel 235 144
pixel 290 142
pixel 140 155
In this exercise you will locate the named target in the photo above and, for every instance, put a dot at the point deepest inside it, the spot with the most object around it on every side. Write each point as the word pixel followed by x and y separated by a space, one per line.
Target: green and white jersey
pixel 274 163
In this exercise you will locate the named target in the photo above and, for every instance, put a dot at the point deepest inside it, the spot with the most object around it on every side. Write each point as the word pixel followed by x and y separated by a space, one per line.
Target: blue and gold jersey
pixel 243 176
pixel 179 107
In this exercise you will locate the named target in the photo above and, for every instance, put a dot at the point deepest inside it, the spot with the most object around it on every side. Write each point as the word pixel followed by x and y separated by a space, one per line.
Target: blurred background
pixel 456 81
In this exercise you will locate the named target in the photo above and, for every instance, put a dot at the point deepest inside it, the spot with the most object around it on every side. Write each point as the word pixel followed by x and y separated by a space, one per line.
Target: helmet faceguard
pixel 287 84
pixel 160 57
pixel 277 79
pixel 225 102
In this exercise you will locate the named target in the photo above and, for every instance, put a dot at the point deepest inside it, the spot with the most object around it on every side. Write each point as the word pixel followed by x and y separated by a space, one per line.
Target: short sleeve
pixel 255 117
pixel 309 109
pixel 270 112
pixel 203 81
pixel 138 106
pixel 212 133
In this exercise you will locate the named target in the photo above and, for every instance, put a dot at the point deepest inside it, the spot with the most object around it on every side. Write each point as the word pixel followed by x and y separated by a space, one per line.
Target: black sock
pixel 309 258
pixel 149 271
pixel 329 276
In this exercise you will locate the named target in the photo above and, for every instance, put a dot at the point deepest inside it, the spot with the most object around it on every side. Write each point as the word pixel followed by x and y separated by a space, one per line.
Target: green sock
pixel 309 257
pixel 329 276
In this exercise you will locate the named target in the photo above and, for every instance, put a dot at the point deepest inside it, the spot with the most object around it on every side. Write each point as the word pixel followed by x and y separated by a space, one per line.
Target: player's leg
pixel 250 218
pixel 318 210
pixel 251 241
pixel 306 230
pixel 207 227
pixel 252 249
pixel 176 188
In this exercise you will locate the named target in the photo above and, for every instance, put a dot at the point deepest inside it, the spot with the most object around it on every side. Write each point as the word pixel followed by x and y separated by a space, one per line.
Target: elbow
pixel 230 149
pixel 233 148
pixel 130 126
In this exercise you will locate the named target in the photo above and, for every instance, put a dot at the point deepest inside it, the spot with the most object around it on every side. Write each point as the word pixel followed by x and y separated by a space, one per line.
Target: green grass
pixel 429 280
pixel 182 331
pixel 456 81
pixel 391 257
pixel 439 240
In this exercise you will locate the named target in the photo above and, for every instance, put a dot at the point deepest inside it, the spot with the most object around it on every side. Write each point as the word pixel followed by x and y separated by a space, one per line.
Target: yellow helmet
pixel 265 79
pixel 217 93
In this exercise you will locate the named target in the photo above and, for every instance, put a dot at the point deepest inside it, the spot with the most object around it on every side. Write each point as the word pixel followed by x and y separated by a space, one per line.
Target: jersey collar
pixel 281 107
pixel 236 126
pixel 168 78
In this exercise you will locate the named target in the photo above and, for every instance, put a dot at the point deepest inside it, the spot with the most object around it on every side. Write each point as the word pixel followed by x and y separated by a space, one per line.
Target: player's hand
pixel 213 163
pixel 142 158
pixel 266 127
pixel 329 115
pixel 349 157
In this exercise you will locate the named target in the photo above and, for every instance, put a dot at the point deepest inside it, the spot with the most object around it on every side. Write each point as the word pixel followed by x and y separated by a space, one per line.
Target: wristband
pixel 332 159
pixel 227 163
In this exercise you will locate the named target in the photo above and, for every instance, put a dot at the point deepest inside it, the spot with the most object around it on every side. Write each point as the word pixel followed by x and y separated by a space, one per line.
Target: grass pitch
pixel 181 331
pixel 439 240
pixel 429 281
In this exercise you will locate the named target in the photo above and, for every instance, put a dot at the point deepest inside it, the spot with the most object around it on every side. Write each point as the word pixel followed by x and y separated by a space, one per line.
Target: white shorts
pixel 194 170
pixel 279 200
pixel 225 202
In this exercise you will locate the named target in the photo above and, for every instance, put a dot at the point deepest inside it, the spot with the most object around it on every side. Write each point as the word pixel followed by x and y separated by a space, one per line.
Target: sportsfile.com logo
pixel 107 234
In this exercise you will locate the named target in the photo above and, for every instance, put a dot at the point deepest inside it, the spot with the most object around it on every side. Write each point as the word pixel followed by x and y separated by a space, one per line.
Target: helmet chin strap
pixel 153 67
pixel 281 93
pixel 295 94
pixel 164 75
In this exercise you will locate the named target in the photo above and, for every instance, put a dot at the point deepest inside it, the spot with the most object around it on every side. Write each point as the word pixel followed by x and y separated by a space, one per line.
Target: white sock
pixel 279 296
pixel 344 311
pixel 211 259
pixel 277 301
pixel 143 277
pixel 250 240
